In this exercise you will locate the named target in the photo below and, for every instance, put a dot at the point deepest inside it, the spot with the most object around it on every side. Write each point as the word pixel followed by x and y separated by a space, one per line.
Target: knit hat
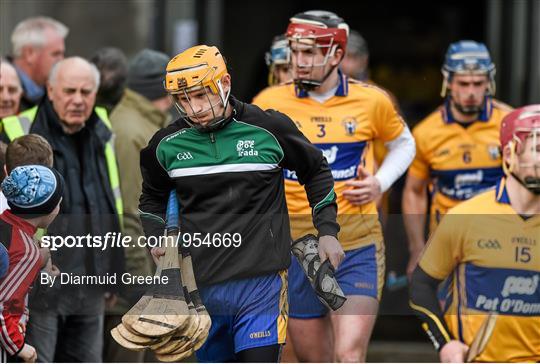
pixel 33 190
pixel 147 72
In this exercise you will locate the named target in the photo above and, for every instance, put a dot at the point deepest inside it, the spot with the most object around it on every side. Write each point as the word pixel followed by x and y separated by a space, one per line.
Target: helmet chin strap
pixel 310 85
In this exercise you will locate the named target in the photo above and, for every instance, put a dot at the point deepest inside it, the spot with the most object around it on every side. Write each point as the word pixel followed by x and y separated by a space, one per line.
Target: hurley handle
pixel 170 260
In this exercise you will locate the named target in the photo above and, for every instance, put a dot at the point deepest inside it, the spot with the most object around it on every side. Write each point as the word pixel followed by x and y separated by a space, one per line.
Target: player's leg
pixel 352 325
pixel 361 276
pixel 309 327
pixel 311 339
pixel 219 345
pixel 260 325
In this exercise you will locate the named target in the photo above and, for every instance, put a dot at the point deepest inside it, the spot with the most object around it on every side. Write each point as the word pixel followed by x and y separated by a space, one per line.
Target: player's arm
pixel 314 173
pixel 389 127
pixel 401 151
pixel 156 187
pixel 414 202
pixel 439 259
pixel 424 302
pixel 414 206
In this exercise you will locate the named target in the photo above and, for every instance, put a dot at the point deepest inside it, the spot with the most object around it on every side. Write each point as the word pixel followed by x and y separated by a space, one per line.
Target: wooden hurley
pixel 191 285
pixel 482 337
pixel 171 320
pixel 167 310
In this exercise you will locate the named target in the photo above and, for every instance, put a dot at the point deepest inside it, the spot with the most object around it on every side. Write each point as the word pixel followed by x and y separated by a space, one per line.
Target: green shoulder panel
pixel 239 144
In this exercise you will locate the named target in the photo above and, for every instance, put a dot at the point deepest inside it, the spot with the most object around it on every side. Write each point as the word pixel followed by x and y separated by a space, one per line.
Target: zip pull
pixel 212 138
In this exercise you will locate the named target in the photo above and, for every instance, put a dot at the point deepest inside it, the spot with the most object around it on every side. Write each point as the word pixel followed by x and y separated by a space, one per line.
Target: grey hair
pixel 54 70
pixel 8 64
pixel 29 32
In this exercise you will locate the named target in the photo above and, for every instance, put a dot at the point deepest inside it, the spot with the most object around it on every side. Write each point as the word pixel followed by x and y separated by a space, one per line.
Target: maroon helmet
pixel 516 127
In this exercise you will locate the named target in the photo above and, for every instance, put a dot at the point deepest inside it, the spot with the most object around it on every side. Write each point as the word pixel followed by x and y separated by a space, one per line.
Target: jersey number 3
pixel 322 130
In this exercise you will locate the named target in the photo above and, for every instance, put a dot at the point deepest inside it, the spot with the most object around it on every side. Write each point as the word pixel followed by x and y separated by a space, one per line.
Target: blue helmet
pixel 468 57
pixel 278 56
pixel 279 53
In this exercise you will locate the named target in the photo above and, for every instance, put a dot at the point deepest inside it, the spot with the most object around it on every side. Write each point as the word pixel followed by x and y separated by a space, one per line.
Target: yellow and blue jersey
pixel 492 255
pixel 459 161
pixel 344 127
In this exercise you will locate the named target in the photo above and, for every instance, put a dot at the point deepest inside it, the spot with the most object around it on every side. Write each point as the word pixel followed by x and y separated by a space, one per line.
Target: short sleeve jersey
pixel 459 162
pixel 344 127
pixel 492 255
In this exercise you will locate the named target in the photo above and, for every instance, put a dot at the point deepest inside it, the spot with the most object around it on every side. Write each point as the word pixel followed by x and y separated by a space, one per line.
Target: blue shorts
pixel 246 313
pixel 360 274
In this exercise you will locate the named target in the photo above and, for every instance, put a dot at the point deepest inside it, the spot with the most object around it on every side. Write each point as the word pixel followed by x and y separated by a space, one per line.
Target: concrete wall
pixel 125 24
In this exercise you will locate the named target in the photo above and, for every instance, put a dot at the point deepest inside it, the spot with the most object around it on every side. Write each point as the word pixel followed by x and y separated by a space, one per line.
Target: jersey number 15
pixel 523 254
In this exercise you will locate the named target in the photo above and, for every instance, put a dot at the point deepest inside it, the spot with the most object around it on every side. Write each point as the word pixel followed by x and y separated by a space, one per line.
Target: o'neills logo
pixel 259 335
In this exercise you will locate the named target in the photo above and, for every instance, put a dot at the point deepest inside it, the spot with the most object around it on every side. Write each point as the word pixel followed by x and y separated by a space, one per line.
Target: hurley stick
pixel 126 343
pixel 482 337
pixel 191 285
pixel 167 310
pixel 133 314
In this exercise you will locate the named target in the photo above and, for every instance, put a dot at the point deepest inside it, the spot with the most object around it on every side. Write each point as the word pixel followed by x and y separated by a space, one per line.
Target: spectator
pixel 10 90
pixel 113 67
pixel 67 321
pixel 142 111
pixel 28 149
pixel 34 194
pixel 38 43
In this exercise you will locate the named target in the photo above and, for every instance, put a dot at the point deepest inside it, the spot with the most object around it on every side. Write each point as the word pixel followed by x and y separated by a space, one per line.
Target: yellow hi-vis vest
pixel 19 125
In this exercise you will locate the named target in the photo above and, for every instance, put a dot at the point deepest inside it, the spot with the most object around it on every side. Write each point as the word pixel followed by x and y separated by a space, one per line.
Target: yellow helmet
pixel 199 66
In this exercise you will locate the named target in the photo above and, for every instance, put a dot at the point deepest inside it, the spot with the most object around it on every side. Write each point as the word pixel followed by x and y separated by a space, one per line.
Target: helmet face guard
pixel 519 129
pixel 531 181
pixel 311 82
pixel 185 105
pixel 316 30
pixel 194 79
